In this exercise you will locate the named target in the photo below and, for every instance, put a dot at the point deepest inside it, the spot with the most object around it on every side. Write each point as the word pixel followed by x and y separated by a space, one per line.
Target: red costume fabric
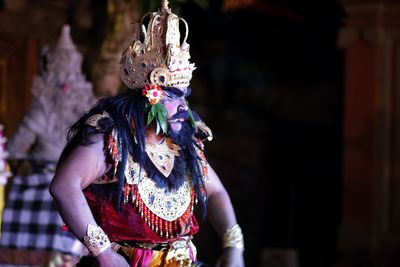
pixel 126 225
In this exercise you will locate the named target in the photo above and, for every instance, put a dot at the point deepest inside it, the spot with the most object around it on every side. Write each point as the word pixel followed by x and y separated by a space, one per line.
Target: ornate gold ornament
pixel 162 155
pixel 96 240
pixel 167 205
pixel 156 55
pixel 94 120
pixel 233 237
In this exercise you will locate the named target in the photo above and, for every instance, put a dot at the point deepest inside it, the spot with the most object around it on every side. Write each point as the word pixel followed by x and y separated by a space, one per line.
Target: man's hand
pixel 231 257
pixel 110 258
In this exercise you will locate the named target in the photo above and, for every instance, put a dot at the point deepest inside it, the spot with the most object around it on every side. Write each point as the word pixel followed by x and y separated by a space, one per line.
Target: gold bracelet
pixel 96 240
pixel 233 237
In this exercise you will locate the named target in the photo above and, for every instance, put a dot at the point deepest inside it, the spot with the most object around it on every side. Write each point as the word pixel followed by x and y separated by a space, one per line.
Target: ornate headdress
pixel 156 56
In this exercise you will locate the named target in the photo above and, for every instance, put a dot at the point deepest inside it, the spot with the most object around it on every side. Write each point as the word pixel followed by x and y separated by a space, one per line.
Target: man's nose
pixel 182 105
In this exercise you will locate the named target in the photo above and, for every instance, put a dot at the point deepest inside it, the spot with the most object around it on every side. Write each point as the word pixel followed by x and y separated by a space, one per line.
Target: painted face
pixel 174 101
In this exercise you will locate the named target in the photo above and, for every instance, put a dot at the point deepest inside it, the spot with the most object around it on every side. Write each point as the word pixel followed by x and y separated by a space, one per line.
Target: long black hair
pixel 127 114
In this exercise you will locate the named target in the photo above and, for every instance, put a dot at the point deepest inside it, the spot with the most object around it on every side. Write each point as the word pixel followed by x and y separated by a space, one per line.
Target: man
pixel 134 169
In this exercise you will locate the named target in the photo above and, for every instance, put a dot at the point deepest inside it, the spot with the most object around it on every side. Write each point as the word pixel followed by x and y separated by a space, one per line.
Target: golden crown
pixel 156 55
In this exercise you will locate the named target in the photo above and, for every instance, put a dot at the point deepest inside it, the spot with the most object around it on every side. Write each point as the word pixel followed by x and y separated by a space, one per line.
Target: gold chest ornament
pixel 162 155
pixel 166 212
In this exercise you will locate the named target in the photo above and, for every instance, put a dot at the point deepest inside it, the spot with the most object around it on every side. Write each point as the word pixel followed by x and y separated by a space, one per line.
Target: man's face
pixel 174 101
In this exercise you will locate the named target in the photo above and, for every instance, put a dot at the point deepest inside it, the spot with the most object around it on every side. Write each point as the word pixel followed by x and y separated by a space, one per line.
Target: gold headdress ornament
pixel 156 55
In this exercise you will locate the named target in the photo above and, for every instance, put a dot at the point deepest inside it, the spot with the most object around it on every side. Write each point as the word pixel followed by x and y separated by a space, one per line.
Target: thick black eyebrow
pixel 174 91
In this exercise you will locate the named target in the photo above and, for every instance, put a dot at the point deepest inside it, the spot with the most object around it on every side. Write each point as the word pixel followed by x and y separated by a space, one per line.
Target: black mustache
pixel 180 115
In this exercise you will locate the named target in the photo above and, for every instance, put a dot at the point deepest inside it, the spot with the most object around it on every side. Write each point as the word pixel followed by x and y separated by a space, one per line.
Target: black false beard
pixel 183 138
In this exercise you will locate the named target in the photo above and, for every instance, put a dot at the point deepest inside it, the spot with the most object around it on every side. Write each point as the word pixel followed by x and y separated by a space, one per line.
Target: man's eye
pixel 170 96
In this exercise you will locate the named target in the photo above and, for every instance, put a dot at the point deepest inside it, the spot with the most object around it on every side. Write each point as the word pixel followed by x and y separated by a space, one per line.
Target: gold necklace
pixel 162 155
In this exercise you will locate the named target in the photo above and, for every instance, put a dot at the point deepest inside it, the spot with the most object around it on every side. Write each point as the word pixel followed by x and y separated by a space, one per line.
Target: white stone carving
pixel 60 95
pixel 4 173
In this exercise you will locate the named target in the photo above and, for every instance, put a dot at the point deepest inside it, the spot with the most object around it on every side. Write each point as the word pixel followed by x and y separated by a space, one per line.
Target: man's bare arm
pixel 220 210
pixel 222 216
pixel 79 169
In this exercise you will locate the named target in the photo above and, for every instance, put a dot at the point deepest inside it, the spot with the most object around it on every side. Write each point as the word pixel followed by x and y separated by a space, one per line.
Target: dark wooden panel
pixel 394 183
pixel 18 65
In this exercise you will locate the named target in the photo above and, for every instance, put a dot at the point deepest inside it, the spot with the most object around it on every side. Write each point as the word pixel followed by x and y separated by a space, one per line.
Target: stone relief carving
pixel 61 94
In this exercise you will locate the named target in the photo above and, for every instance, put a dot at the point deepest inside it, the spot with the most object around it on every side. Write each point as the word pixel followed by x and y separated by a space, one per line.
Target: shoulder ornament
pixel 94 119
pixel 203 164
pixel 113 151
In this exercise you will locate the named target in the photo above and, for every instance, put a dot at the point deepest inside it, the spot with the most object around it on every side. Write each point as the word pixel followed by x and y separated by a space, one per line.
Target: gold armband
pixel 233 237
pixel 96 240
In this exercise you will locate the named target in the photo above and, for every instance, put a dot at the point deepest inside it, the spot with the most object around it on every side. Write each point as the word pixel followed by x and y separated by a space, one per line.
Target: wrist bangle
pixel 96 240
pixel 233 237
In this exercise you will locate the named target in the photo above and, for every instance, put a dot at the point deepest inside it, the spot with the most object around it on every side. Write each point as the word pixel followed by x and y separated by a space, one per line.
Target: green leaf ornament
pixel 151 115
pixel 191 117
pixel 158 113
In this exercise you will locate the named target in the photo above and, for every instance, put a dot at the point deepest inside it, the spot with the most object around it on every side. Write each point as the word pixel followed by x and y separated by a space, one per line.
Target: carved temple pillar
pixel 370 228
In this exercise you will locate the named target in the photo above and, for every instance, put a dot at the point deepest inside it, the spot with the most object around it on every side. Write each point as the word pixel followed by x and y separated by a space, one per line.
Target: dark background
pixel 269 83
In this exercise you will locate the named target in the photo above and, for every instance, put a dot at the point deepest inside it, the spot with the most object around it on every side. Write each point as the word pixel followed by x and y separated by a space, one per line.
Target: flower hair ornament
pixel 156 111
pixel 153 92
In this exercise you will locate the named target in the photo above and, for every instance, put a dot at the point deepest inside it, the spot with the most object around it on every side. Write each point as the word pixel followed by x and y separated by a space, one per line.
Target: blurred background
pixel 301 96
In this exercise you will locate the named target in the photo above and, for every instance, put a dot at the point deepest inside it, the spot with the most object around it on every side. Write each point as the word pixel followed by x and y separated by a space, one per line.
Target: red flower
pixel 153 92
